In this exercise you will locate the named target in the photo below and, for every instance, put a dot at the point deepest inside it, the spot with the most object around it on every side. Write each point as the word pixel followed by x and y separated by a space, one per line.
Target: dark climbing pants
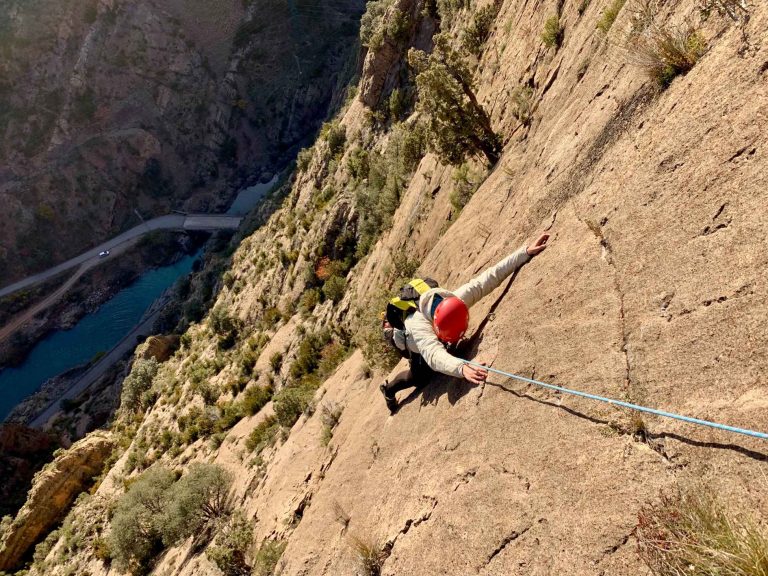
pixel 417 376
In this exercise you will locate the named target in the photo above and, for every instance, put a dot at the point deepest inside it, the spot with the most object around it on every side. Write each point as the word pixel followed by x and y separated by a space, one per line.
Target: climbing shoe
pixel 389 398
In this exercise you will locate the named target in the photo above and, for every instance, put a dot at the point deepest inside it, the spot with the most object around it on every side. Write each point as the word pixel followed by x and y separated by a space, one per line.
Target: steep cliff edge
pixel 653 289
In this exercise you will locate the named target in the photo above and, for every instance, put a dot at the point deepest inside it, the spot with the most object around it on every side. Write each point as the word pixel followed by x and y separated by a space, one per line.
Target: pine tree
pixel 457 124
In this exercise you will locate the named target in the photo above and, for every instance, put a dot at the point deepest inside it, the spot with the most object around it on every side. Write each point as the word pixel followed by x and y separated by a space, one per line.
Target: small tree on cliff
pixel 457 124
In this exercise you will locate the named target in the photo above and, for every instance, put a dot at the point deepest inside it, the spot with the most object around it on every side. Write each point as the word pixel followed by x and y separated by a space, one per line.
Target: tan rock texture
pixel 54 490
pixel 653 289
pixel 160 347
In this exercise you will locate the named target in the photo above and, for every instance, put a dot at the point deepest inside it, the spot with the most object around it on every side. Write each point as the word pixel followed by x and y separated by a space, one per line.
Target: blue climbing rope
pixel 689 419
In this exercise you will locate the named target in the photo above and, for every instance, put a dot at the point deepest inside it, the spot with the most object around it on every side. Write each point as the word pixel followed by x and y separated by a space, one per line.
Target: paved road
pixel 96 371
pixel 23 317
pixel 170 222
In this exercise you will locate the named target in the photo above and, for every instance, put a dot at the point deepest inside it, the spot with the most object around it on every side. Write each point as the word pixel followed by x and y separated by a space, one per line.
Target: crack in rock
pixel 613 549
pixel 506 542
pixel 410 523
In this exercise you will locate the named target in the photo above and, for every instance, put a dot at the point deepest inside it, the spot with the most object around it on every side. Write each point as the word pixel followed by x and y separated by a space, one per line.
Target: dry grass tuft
pixel 369 555
pixel 340 515
pixel 662 50
pixel 691 533
pixel 522 99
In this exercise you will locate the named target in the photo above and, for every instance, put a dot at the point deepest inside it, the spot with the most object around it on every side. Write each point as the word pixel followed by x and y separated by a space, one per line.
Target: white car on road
pixel 104 254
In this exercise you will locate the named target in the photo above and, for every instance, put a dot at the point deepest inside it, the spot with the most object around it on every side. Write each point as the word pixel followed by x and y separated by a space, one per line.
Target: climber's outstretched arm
pixel 490 279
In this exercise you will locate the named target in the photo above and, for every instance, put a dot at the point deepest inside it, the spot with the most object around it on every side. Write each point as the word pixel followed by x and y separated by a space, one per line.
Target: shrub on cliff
pixel 137 383
pixel 479 29
pixel 267 557
pixel 609 15
pixel 262 435
pixel 291 402
pixel 334 288
pixel 255 398
pixel 457 125
pixel 662 50
pixel 158 511
pixel 135 536
pixel 231 546
pixel 382 179
pixel 199 497
pixel 553 32
pixel 336 136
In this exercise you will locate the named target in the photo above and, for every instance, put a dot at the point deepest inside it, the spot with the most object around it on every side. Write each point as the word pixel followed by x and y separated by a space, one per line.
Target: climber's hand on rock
pixel 474 374
pixel 538 246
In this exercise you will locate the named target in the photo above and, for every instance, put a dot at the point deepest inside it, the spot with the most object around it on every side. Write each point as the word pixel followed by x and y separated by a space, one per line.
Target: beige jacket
pixel 419 335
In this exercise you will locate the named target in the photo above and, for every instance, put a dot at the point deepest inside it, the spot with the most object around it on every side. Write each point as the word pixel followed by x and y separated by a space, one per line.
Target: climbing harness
pixel 688 419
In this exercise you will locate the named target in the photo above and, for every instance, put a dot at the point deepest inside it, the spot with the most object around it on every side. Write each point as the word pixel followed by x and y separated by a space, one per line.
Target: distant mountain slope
pixel 108 107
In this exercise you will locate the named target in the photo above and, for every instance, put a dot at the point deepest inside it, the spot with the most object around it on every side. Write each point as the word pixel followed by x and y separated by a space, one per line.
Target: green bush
pixel 276 361
pixel 135 535
pixel 609 15
pixel 336 136
pixel 232 544
pixel 479 29
pixel 309 299
pixel 398 26
pixel 221 321
pixel 267 557
pixel 291 402
pixel 137 383
pixel 370 23
pixel 308 356
pixel 255 398
pixel 552 36
pixel 334 288
pixel 457 125
pixel 303 159
pixel 447 10
pixel 386 177
pixel 263 435
pixel 397 104
pixel 199 497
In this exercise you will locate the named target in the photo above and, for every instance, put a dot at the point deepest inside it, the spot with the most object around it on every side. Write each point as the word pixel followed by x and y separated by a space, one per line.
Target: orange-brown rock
pixel 160 347
pixel 54 490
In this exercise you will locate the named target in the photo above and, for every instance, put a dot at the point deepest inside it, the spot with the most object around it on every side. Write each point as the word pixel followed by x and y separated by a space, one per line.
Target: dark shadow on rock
pixel 437 386
pixel 570 411
pixel 469 348
pixel 754 454
pixel 648 437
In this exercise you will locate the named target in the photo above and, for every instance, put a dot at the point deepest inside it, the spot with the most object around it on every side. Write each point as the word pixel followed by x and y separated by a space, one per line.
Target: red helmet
pixel 451 319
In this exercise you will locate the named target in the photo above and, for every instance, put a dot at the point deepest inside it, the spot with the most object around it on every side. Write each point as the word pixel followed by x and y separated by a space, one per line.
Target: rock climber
pixel 441 318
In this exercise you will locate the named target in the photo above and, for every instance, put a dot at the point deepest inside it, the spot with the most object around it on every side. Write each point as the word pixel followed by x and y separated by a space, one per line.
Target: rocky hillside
pixel 263 445
pixel 110 108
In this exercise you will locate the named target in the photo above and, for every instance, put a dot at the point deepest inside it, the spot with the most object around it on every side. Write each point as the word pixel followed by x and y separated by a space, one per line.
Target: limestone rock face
pixel 22 451
pixel 160 347
pixel 54 490
pixel 384 63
